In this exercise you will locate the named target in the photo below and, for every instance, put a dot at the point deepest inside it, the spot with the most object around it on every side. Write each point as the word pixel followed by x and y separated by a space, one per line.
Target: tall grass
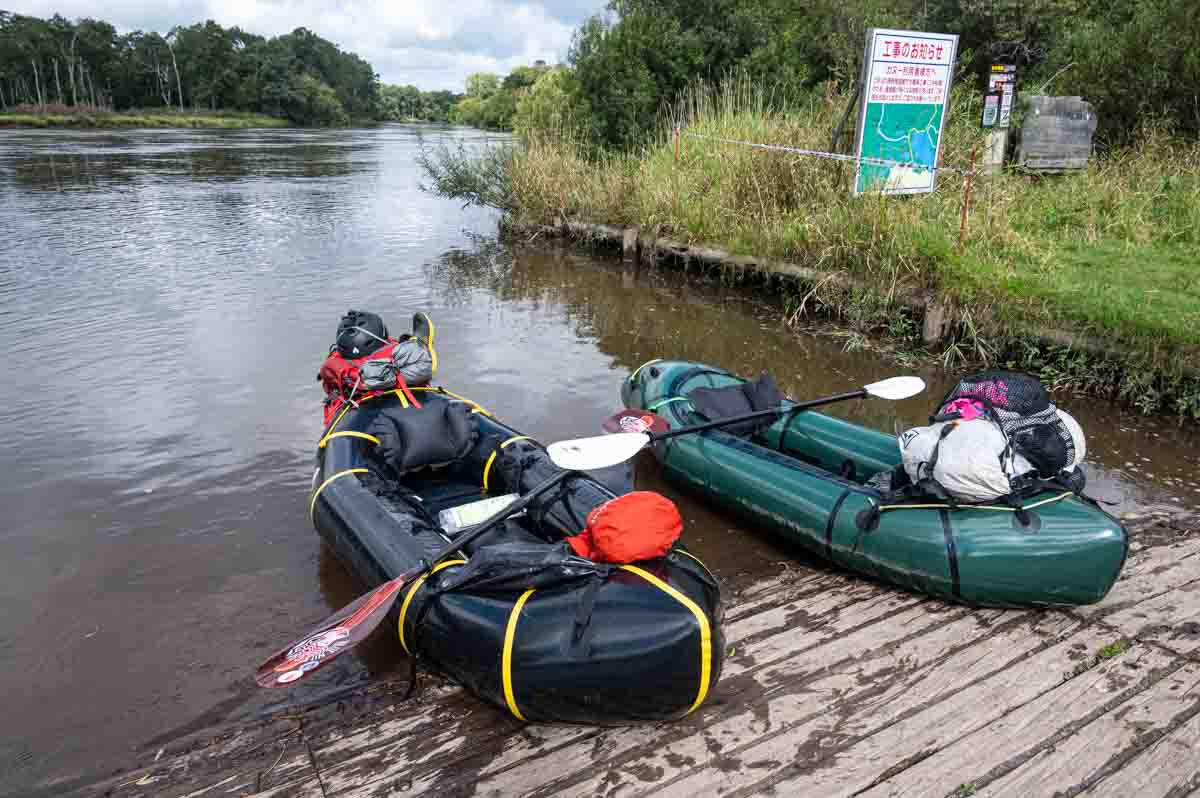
pixel 1109 251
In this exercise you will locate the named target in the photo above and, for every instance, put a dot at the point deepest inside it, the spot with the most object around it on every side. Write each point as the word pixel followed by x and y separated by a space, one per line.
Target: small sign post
pixel 906 79
pixel 997 113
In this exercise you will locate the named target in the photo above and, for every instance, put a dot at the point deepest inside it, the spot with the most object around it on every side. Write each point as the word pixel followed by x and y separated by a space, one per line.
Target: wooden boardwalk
pixel 834 686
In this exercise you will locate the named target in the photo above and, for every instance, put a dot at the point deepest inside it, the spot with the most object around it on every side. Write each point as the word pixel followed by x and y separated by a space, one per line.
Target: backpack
pixel 996 434
pixel 1021 407
pixel 382 365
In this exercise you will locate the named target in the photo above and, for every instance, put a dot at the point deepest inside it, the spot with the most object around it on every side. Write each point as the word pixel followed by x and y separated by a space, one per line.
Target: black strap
pixel 787 426
pixel 581 639
pixel 837 506
pixel 951 552
pixel 928 482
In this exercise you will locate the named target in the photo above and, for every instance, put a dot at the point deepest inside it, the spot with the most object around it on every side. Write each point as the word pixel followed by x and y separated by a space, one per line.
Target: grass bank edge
pixel 1108 254
pixel 142 119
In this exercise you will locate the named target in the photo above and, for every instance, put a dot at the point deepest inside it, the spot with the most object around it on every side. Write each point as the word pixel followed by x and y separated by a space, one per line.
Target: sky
pixel 432 44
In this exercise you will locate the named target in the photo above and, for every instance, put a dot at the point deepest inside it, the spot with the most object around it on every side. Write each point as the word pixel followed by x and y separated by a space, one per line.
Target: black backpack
pixel 360 333
pixel 1021 407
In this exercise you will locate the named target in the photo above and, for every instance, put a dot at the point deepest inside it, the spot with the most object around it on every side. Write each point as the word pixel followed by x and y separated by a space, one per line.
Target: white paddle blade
pixel 602 451
pixel 896 388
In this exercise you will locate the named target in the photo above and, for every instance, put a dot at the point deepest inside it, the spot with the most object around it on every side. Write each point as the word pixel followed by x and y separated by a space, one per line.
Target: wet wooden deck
pixel 833 686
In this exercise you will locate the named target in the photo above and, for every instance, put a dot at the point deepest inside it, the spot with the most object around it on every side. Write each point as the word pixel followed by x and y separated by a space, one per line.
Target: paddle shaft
pixel 772 411
pixel 485 526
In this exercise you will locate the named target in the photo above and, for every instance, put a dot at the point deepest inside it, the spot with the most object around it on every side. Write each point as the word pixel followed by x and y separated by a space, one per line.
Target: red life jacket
pixel 341 380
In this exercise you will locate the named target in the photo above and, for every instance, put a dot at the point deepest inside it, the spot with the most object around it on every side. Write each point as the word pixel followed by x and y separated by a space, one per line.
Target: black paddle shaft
pixel 509 511
pixel 771 411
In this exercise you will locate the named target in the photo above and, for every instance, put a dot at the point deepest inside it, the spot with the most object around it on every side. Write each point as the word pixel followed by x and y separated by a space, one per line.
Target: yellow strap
pixel 348 434
pixel 993 507
pixel 345 409
pixel 633 376
pixel 412 591
pixel 487 467
pixel 312 506
pixel 452 395
pixel 701 620
pixel 506 660
pixel 429 343
pixel 694 557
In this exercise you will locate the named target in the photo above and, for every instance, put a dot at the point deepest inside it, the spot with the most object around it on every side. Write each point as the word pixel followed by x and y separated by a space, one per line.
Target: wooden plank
pixel 708 749
pixel 1149 573
pixel 1169 767
pixel 1171 620
pixel 777 590
pixel 862 662
pixel 775 632
pixel 271 754
pixel 413 744
pixel 1107 742
pixel 1003 745
pixel 857 628
pixel 856 743
pixel 819 622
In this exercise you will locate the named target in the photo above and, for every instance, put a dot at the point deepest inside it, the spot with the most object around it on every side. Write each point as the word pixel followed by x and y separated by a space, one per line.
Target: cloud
pixel 433 44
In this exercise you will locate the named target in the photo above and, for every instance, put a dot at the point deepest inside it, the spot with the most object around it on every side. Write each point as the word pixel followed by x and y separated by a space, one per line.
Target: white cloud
pixel 433 44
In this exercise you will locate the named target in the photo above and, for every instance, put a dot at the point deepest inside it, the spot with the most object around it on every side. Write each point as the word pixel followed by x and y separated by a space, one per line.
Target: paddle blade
pixel 631 420
pixel 602 451
pixel 339 633
pixel 896 388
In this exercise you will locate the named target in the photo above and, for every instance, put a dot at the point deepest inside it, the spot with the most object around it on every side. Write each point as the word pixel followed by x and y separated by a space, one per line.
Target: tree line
pixel 1135 61
pixel 86 63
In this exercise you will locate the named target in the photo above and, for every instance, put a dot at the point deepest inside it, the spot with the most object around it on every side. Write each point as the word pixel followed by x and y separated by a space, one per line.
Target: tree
pixel 312 102
pixel 482 85
pixel 552 104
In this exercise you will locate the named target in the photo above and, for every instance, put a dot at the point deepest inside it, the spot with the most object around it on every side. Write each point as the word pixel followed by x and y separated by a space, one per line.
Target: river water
pixel 167 298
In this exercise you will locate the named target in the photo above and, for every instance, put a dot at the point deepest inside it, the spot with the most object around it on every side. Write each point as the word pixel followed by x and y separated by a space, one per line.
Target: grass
pixel 1109 253
pixel 143 118
pixel 1103 654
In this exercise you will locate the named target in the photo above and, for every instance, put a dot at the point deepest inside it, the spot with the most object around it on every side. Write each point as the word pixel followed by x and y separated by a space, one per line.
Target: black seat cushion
pixel 736 400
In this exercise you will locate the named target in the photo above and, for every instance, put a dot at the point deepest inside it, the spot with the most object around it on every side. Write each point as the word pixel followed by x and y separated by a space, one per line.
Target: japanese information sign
pixel 998 100
pixel 906 94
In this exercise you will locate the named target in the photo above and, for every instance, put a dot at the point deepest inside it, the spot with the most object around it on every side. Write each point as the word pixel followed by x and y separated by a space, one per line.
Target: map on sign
pixel 906 90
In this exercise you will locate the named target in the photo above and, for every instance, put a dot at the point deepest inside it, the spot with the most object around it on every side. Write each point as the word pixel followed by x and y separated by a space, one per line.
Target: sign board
pixel 1057 133
pixel 1000 94
pixel 906 95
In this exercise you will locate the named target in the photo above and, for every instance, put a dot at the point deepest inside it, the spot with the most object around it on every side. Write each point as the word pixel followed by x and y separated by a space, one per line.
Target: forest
pixel 1134 60
pixel 61 65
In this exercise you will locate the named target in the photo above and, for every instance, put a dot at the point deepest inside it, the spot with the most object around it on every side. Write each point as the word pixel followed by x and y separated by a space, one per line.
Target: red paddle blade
pixel 631 420
pixel 342 631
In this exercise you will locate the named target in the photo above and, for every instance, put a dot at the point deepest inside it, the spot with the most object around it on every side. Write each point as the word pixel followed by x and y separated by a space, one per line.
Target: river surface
pixel 165 301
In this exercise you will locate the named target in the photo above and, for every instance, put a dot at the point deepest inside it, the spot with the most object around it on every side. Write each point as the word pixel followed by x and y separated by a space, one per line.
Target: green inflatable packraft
pixel 809 487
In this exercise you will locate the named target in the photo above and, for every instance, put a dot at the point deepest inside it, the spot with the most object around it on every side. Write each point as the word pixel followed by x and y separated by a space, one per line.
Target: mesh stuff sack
pixel 1021 408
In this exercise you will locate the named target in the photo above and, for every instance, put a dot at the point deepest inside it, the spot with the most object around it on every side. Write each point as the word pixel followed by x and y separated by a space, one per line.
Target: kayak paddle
pixel 353 623
pixel 636 429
